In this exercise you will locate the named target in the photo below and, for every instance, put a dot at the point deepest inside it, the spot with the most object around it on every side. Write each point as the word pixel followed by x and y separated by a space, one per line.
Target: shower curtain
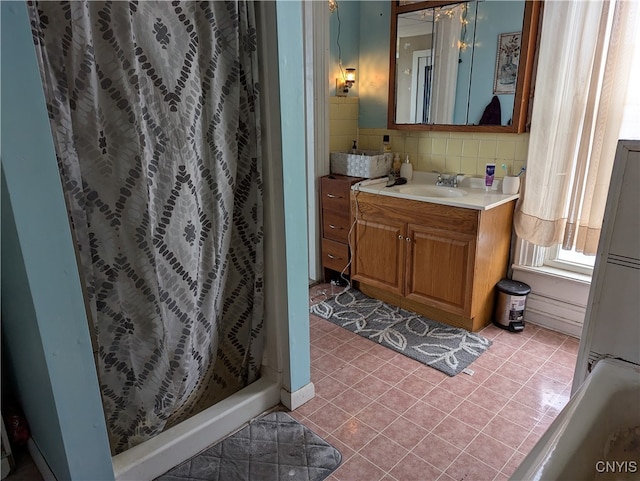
pixel 154 112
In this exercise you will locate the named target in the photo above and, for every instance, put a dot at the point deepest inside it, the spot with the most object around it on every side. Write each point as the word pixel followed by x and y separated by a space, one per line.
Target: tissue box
pixel 364 163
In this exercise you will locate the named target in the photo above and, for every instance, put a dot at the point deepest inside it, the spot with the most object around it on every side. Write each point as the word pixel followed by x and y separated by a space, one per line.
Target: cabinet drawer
pixel 335 193
pixel 335 226
pixel 335 256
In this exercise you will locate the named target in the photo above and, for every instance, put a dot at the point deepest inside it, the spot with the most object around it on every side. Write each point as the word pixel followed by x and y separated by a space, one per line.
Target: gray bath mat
pixel 446 348
pixel 274 447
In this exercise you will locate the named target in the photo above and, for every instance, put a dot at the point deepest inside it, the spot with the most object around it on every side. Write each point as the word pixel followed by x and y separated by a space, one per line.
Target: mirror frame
pixel 530 24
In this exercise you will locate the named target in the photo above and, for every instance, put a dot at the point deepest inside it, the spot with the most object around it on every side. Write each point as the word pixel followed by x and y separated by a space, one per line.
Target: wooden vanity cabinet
pixel 336 221
pixel 440 268
pixel 437 260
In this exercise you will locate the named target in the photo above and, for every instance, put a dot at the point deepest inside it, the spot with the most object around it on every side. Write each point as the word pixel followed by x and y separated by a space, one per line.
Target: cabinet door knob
pixel 332 196
pixel 400 237
pixel 331 256
pixel 408 239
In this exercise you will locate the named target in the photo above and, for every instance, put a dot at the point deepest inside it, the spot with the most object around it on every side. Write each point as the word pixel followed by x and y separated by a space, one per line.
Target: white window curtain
pixel 581 83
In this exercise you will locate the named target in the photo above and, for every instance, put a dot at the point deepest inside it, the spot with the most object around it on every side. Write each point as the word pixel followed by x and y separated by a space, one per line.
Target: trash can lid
pixel 513 287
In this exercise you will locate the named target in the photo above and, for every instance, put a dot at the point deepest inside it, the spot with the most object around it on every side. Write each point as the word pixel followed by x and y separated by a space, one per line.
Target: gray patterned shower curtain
pixel 155 117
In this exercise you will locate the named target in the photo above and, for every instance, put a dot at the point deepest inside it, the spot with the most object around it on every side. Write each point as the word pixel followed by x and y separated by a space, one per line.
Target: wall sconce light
pixel 343 85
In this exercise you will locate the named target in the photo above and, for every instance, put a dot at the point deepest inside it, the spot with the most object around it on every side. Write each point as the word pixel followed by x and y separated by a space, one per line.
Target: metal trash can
pixel 511 298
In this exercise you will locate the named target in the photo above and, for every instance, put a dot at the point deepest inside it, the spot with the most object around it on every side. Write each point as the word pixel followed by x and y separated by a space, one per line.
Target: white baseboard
pixel 293 400
pixel 556 302
pixel 39 461
pixel 554 315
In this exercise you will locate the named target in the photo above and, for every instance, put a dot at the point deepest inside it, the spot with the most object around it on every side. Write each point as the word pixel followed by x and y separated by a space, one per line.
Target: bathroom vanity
pixel 434 250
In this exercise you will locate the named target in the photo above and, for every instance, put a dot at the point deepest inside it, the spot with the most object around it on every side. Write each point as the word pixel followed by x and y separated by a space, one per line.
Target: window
pixel 571 260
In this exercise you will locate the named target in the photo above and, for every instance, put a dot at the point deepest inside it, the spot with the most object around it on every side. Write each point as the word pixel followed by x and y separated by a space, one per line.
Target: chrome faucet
pixel 447 180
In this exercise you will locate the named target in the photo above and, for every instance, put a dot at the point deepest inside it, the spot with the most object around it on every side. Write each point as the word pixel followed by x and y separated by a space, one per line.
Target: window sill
pixel 557 272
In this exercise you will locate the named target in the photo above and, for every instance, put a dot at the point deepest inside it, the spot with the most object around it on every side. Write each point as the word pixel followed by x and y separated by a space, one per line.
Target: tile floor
pixel 393 418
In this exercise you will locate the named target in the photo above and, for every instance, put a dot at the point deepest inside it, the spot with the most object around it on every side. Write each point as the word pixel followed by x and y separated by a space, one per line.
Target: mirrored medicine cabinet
pixel 462 66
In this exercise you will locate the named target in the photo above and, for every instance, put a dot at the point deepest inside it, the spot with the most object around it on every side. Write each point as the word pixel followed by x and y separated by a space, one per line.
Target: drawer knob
pixel 331 256
pixel 332 196
pixel 331 226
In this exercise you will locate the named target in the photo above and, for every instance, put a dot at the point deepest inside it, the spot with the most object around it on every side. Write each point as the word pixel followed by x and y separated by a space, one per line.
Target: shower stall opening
pixel 157 112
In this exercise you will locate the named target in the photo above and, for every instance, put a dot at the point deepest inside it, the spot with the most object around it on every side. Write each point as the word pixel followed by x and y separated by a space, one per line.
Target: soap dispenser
pixel 406 170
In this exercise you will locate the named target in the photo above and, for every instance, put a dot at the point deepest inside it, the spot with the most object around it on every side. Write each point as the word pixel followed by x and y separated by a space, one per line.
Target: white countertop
pixel 475 198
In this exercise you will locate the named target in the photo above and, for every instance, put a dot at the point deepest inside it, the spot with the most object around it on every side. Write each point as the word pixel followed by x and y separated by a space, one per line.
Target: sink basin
pixel 431 191
pixel 596 435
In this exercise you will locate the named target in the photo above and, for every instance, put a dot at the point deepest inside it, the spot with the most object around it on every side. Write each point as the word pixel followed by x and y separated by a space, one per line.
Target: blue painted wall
pixel 44 325
pixel 364 42
pixel 23 347
pixel 297 371
pixel 375 29
pixel 345 21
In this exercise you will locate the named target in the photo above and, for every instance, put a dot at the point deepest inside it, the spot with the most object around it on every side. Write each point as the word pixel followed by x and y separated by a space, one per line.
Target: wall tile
pixel 470 147
pixel 522 148
pixel 500 171
pixel 452 164
pixel 464 152
pixel 468 165
pixel 506 150
pixel 517 165
pixel 488 148
pixel 423 163
pixel 334 111
pixel 346 127
pixel 437 163
pixel 439 146
pixel 411 148
pixel 340 143
pixel 424 145
pixel 454 147
pixel 351 110
pixel 458 135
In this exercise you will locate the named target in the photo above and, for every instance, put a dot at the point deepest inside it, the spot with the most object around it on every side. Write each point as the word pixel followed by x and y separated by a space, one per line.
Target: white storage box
pixel 364 163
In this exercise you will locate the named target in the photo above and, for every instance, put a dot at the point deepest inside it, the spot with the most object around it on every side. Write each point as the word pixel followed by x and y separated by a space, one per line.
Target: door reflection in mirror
pixel 426 62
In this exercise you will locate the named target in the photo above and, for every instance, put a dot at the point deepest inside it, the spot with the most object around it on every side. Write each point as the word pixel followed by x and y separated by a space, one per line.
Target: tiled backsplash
pixel 459 152
pixel 343 123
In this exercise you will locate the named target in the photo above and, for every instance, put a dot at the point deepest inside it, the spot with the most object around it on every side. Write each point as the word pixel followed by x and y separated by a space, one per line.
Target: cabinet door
pixel 440 268
pixel 378 259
